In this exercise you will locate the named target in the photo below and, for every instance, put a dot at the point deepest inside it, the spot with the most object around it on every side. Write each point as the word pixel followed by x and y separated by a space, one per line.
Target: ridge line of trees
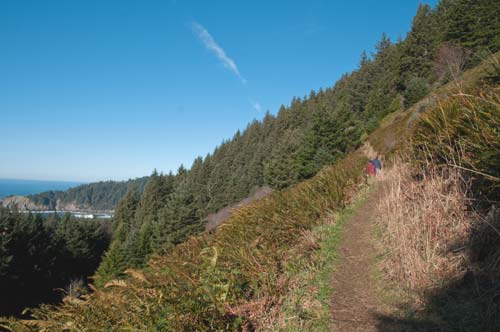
pixel 312 132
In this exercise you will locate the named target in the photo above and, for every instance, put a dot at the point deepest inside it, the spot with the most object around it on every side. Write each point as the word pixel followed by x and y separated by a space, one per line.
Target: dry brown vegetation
pixel 215 219
pixel 440 215
pixel 426 223
pixel 441 222
pixel 229 280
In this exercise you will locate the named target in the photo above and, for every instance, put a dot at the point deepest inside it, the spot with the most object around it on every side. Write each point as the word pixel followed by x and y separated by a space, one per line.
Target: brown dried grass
pixel 427 225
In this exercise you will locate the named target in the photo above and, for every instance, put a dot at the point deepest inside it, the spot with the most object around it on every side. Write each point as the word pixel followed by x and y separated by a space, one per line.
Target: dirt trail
pixel 354 302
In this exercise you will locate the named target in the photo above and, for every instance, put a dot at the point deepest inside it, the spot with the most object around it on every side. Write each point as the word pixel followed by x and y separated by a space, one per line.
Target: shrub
pixel 463 133
pixel 423 220
pixel 212 282
pixel 416 89
pixel 440 214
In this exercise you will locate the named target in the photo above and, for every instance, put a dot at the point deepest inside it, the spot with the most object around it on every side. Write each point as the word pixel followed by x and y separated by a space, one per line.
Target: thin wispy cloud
pixel 256 106
pixel 210 43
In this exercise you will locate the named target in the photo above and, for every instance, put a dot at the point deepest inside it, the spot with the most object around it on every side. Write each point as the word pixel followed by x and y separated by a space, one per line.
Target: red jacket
pixel 370 169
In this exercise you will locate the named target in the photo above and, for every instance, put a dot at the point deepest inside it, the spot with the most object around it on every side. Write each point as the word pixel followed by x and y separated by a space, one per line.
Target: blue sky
pixel 95 90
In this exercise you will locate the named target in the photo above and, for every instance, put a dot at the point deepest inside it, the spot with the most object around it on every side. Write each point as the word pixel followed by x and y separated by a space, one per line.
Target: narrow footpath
pixel 355 305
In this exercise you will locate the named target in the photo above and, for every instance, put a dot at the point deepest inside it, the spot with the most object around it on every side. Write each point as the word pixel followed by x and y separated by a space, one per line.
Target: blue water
pixel 27 187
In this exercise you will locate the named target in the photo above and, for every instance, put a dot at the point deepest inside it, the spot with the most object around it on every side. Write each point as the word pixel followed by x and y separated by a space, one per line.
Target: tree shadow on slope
pixel 471 303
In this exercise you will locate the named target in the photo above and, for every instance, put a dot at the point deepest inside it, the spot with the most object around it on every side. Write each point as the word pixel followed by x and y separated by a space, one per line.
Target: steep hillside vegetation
pixel 99 196
pixel 234 279
pixel 39 254
pixel 437 222
pixel 312 132
pixel 212 282
pixel 440 216
pixel 229 280
pixel 316 130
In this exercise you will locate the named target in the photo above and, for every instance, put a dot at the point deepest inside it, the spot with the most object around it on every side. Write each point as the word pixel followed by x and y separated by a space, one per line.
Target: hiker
pixel 378 165
pixel 370 169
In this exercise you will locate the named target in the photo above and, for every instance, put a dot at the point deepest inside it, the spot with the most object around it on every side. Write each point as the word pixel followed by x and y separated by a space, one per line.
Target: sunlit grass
pixel 229 280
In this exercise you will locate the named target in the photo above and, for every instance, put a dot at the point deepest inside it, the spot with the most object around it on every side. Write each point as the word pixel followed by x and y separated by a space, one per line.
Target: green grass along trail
pixel 355 304
pixel 361 299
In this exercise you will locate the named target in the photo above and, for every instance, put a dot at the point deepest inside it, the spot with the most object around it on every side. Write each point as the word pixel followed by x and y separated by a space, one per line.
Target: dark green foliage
pixel 195 285
pixel 312 132
pixel 327 140
pixel 157 192
pixel 81 242
pixel 98 196
pixel 473 24
pixel 125 212
pixel 115 261
pixel 38 255
pixel 177 220
pixel 421 44
pixel 416 89
pixel 465 134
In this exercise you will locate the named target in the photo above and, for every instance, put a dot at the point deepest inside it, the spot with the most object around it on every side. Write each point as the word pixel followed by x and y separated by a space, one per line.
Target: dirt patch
pixel 355 304
pixel 214 220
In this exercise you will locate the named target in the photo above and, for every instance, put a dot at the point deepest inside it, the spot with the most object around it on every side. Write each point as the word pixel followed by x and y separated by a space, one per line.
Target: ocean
pixel 27 187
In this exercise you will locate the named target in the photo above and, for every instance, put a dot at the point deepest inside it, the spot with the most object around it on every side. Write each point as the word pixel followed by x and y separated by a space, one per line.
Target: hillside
pixel 97 197
pixel 319 128
pixel 419 253
pixel 227 280
pixel 162 272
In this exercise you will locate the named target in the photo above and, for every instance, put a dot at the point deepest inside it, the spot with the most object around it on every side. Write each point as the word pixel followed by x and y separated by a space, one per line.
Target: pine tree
pixel 137 247
pixel 421 44
pixel 177 220
pixel 123 220
pixel 113 263
pixel 472 24
pixel 7 222
pixel 115 260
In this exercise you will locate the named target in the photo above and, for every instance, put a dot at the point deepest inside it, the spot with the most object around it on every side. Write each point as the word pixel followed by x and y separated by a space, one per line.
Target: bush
pixel 422 220
pixel 416 89
pixel 213 282
pixel 463 133
pixel 440 215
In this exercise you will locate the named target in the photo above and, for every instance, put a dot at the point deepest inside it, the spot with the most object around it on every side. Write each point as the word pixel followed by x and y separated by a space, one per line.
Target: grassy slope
pixel 441 218
pixel 306 305
pixel 230 280
pixel 214 282
pixel 397 128
pixel 392 137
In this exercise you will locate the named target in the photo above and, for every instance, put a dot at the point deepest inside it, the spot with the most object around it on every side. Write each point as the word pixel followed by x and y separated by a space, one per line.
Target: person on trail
pixel 370 169
pixel 378 164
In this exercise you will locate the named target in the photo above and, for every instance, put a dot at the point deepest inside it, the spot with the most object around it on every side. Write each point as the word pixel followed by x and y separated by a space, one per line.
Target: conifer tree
pixel 137 245
pixel 313 131
pixel 472 24
pixel 421 44
pixel 115 260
